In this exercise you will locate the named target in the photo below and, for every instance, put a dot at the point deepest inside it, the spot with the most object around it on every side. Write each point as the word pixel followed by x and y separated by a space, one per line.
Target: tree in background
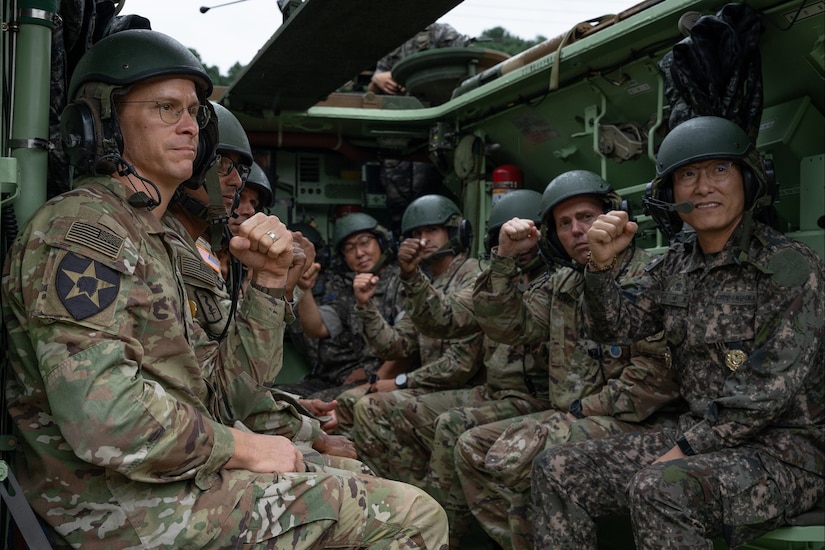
pixel 499 39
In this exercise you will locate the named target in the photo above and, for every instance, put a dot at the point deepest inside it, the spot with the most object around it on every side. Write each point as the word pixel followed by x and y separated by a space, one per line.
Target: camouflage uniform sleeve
pixel 106 375
pixel 504 311
pixel 255 341
pixel 458 363
pixel 621 313
pixel 386 341
pixel 644 384
pixel 435 314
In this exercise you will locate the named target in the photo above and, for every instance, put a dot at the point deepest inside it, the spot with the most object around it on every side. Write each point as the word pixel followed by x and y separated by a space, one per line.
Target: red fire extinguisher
pixel 506 178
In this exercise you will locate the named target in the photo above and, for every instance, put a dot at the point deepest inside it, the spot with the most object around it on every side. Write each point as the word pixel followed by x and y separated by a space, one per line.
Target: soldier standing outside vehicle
pixel 743 310
pixel 120 447
pixel 404 180
pixel 594 390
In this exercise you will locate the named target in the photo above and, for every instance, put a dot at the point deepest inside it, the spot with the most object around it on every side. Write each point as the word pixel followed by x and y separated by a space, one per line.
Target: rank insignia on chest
pixel 85 287
pixel 734 358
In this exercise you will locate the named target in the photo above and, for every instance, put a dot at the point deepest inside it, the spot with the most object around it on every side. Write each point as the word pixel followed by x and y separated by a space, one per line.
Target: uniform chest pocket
pixel 731 318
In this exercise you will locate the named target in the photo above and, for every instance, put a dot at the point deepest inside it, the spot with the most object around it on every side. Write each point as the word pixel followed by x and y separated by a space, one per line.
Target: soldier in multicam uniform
pixel 743 310
pixel 436 234
pixel 119 449
pixel 196 211
pixel 426 427
pixel 594 391
pixel 363 246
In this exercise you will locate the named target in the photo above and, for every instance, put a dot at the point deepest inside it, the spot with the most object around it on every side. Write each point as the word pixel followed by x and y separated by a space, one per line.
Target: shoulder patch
pixel 789 268
pixel 95 237
pixel 85 287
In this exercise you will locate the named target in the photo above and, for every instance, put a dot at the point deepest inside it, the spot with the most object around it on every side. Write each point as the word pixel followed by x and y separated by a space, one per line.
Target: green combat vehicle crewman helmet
pixel 89 129
pixel 519 203
pixel 358 222
pixel 562 187
pixel 696 140
pixel 258 179
pixel 231 135
pixel 438 211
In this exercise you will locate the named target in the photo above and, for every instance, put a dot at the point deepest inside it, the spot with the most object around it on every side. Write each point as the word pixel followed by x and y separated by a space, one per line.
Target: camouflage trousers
pixel 375 436
pixel 427 427
pixel 334 510
pixel 494 464
pixel 345 411
pixel 737 493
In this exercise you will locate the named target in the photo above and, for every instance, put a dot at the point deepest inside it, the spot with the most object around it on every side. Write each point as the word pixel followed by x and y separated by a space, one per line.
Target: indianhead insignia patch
pixel 86 287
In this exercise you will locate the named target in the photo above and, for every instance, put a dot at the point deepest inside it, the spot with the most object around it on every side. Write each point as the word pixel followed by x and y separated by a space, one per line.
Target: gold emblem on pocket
pixel 193 307
pixel 734 358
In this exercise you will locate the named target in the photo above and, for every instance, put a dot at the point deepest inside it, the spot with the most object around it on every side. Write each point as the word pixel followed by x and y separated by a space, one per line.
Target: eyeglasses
pixel 226 165
pixel 688 176
pixel 363 242
pixel 171 114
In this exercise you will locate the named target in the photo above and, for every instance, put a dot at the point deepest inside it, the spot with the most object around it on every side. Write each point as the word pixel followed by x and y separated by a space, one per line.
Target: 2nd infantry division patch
pixel 86 287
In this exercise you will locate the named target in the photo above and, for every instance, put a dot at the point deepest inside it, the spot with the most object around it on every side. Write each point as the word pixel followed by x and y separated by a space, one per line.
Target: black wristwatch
pixel 684 445
pixel 576 408
pixel 401 381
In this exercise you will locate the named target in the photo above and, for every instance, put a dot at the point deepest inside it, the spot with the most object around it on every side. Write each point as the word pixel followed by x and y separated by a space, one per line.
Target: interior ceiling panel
pixel 324 44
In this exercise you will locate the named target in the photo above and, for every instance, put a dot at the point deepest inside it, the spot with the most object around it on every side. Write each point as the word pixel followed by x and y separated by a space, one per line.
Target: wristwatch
pixel 401 381
pixel 576 408
pixel 684 445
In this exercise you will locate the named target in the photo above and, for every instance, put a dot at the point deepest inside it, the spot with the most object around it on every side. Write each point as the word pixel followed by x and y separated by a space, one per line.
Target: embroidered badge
pixel 85 287
pixel 208 305
pixel 734 358
pixel 615 351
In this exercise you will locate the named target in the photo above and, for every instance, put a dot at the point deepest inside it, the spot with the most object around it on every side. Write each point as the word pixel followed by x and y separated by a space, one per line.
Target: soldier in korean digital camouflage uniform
pixel 362 246
pixel 118 447
pixel 595 390
pixel 197 212
pixel 743 310
pixel 436 233
pixel 427 426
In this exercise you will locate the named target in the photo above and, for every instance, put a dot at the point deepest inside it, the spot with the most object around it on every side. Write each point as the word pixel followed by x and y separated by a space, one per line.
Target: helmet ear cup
pixel 465 234
pixel 87 139
pixel 385 240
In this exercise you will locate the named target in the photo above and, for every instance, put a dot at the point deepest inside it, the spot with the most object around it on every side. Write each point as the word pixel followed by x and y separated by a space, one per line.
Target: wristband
pixel 277 293
pixel 593 266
